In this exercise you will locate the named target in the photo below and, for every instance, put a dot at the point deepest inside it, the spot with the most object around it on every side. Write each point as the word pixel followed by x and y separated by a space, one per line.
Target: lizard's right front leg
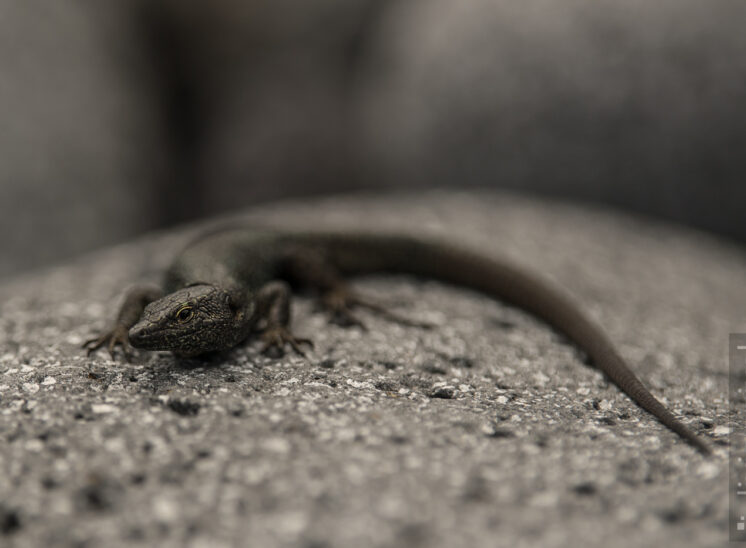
pixel 273 310
pixel 134 303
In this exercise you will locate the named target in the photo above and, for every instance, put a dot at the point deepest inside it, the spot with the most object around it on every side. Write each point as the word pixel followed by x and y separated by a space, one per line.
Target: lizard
pixel 236 281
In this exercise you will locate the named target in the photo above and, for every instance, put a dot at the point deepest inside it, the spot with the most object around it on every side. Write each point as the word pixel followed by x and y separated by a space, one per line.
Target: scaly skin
pixel 232 282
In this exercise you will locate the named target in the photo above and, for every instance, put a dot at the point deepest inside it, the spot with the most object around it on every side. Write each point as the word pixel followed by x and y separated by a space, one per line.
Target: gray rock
pixel 348 447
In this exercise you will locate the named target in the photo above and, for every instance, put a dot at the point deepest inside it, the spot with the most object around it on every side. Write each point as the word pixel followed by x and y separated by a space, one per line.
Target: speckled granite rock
pixel 488 430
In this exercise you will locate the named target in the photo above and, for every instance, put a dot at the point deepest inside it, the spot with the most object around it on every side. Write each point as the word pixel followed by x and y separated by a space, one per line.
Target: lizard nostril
pixel 137 333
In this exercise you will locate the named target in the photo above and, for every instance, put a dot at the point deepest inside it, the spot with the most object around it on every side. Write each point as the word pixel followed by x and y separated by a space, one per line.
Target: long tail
pixel 361 253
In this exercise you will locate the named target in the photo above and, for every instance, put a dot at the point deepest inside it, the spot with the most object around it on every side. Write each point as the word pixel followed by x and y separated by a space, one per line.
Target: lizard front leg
pixel 134 303
pixel 273 312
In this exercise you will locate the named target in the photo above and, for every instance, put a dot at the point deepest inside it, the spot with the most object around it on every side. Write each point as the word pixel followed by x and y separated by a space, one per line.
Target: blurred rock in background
pixel 119 118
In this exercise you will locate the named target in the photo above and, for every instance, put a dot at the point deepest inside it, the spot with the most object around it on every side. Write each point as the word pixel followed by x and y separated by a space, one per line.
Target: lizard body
pixel 232 282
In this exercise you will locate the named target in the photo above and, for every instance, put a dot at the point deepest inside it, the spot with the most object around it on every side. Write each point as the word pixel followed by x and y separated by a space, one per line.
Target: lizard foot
pixel 339 304
pixel 341 301
pixel 111 339
pixel 275 338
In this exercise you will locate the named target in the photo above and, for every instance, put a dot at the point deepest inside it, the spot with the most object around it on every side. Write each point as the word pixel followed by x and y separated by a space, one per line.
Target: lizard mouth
pixel 141 336
pixel 146 336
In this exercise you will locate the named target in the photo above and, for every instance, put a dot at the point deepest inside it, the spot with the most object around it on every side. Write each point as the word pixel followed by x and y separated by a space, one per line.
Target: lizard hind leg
pixel 312 268
pixel 341 300
pixel 273 311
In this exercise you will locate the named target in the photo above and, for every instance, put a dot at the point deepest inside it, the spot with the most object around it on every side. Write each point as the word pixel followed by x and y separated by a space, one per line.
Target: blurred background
pixel 122 117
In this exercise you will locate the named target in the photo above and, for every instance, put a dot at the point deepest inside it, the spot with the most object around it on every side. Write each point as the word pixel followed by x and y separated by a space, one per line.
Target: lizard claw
pixel 111 339
pixel 275 339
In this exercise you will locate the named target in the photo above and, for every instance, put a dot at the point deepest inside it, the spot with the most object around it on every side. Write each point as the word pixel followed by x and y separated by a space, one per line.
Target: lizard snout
pixel 138 335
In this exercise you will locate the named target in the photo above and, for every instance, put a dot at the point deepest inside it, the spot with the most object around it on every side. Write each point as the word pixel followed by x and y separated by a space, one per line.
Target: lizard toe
pixel 111 339
pixel 275 339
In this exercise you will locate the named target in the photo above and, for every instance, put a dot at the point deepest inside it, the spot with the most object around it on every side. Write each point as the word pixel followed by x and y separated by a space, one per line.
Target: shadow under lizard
pixel 233 282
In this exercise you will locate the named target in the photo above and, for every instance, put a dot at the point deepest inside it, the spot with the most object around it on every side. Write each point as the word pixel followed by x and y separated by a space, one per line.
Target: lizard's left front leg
pixel 273 311
pixel 134 303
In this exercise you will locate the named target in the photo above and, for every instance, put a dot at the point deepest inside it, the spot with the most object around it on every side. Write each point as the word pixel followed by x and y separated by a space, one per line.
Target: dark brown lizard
pixel 233 282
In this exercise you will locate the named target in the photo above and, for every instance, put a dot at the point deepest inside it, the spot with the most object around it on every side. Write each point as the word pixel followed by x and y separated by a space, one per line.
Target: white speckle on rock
pixel 49 381
pixel 102 408
pixel 115 445
pixel 547 499
pixel 721 430
pixel 31 387
pixel 60 506
pixel 207 542
pixel 316 384
pixel 34 445
pixel 627 514
pixel 391 507
pixel 605 405
pixel 358 384
pixel 583 391
pixel 165 508
pixel 277 445
pixel 540 378
pixel 291 524
pixel 94 309
pixel 708 470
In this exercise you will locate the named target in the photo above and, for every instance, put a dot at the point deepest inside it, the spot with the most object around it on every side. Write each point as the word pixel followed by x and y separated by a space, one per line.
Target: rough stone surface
pixel 488 430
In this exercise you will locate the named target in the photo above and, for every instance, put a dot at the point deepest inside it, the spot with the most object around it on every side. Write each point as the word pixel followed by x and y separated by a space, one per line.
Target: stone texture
pixel 488 430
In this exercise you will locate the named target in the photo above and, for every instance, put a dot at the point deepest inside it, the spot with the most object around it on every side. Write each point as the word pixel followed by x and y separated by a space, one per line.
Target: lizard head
pixel 191 321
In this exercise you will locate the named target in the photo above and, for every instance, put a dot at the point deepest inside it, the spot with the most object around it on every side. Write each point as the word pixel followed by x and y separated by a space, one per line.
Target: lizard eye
pixel 184 314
